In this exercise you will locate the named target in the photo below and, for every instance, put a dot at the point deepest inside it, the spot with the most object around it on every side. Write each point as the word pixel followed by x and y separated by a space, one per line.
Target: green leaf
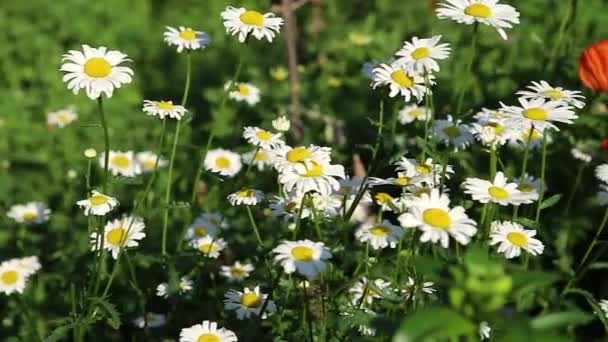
pixel 551 201
pixel 599 265
pixel 112 314
pixel 434 323
pixel 527 222
pixel 560 319
pixel 593 303
pixel 60 332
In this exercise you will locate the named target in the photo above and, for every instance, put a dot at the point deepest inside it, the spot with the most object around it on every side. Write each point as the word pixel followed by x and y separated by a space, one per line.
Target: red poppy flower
pixel 604 144
pixel 593 68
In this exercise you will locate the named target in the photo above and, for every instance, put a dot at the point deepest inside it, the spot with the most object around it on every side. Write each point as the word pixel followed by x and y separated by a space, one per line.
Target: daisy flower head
pixel 260 158
pixel 304 256
pixel 29 213
pixel 494 132
pixel 413 288
pixel 530 185
pixel 528 135
pixel 29 265
pixel 152 320
pixel 312 176
pixel 96 70
pixel 243 92
pixel 164 109
pixel 262 138
pixel 542 90
pixel 202 227
pixel 366 291
pixel 224 162
pixel 487 12
pixel 98 204
pixel 186 38
pixel 484 330
pixel 497 191
pixel 539 113
pixel 118 234
pixel 287 158
pixel 601 172
pixel 287 207
pixel 422 54
pixel 184 286
pixel 604 306
pixel 432 214
pixel 452 132
pixel 148 160
pixel 427 172
pixel 13 277
pixel 379 235
pixel 206 332
pixel 61 118
pixel 413 112
pixel 401 81
pixel 511 238
pixel 580 155
pixel 248 303
pixel 121 163
pixel 209 246
pixel 281 124
pixel 237 271
pixel 486 114
pixel 246 197
pixel 245 22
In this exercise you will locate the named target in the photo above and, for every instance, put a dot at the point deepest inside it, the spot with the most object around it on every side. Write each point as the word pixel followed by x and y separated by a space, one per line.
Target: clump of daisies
pixel 15 273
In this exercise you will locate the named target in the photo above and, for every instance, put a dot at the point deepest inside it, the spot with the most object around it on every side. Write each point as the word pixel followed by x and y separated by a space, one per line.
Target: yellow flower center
pixel 452 131
pixel 207 248
pixel 498 192
pixel 424 168
pixel 380 230
pixel 298 154
pixel 208 338
pixel 437 218
pixel 369 292
pixel 553 94
pixel 63 117
pixel 188 34
pixel 416 113
pixel 97 67
pixel 261 156
pixel 117 236
pixel 251 300
pixel 237 272
pixel 243 89
pixel 29 216
pixel 313 170
pixel 526 135
pixel 222 162
pixel 263 135
pixel 383 197
pixel 200 231
pixel 248 193
pixel 279 73
pixel 524 187
pixel 402 79
pixel 539 114
pixel 302 253
pixel 498 128
pixel 252 18
pixel 9 277
pixel 98 200
pixel 478 10
pixel 121 161
pixel 149 164
pixel 421 52
pixel 422 191
pixel 359 39
pixel 403 180
pixel 164 105
pixel 518 239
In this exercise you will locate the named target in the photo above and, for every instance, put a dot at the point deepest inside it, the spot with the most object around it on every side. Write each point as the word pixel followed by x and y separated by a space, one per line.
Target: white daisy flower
pixel 539 113
pixel 186 38
pixel 484 330
pixel 512 238
pixel 246 197
pixel 119 234
pixel 236 272
pixel 147 161
pixel 96 70
pixel 498 191
pixel 281 124
pixel 521 135
pixel 209 246
pixel 385 201
pixel 487 12
pixel 185 285
pixel 152 320
pixel 29 213
pixel 427 172
pixel 494 132
pixel 432 214
pixel 422 54
pixel 304 256
pixel 29 265
pixel 604 306
pixel 245 22
pixel 312 176
pixel 413 112
pixel 530 185
pixel 287 158
pixel 260 158
pixel 542 90
pixel 580 155
pixel 262 138
pixel 98 204
pixel 401 180
pixel 601 172
pixel 202 227
pixel 13 277
pixel 486 114
pixel 164 109
pixel 224 162
pixel 61 118
pixel 401 81
pixel 452 132
pixel 380 235
pixel 206 332
pixel 287 207
pixel 121 163
pixel 243 92
pixel 412 288
pixel 248 303
pixel 366 291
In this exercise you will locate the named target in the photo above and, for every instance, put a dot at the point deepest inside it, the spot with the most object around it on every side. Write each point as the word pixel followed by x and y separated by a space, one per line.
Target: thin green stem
pixel 524 165
pixel 577 183
pixel 543 166
pixel 254 226
pixel 468 74
pixel 106 139
pixel 560 36
pixel 427 99
pixel 29 319
pixel 493 162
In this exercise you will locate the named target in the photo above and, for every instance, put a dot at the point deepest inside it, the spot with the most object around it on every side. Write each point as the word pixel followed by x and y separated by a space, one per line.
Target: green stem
pixel 112 276
pixel 159 149
pixel 469 67
pixel 254 226
pixel 106 139
pixel 543 165
pixel 427 106
pixel 493 162
pixel 27 317
pixel 524 165
pixel 560 36
pixel 577 183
